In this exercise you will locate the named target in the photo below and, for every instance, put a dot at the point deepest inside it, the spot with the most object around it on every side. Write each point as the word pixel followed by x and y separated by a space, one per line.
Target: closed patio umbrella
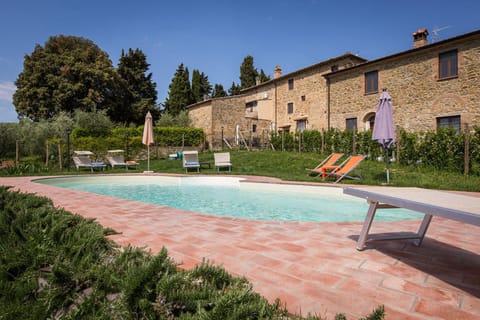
pixel 147 138
pixel 383 130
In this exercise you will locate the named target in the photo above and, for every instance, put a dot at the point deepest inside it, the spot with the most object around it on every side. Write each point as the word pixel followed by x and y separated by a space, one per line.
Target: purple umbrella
pixel 383 131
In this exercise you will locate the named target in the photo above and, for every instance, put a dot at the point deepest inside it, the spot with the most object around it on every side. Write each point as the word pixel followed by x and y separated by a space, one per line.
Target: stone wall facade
pixel 325 95
pixel 304 89
pixel 226 117
pixel 419 97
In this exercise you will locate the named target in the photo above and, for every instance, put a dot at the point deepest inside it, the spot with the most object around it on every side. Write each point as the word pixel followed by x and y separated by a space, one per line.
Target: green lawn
pixel 291 166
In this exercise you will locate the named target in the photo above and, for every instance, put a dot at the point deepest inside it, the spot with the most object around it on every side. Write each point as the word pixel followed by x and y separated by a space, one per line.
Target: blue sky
pixel 215 36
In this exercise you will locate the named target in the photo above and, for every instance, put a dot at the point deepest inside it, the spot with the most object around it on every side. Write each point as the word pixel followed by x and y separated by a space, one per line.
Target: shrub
pixel 444 149
pixel 176 136
pixel 283 141
pixel 312 141
pixel 96 124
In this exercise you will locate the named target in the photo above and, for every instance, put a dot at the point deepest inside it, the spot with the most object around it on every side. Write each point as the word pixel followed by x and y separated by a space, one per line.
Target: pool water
pixel 227 196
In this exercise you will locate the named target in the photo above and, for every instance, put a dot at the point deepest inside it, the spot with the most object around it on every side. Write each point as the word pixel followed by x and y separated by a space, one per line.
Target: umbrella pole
pixel 148 156
pixel 388 166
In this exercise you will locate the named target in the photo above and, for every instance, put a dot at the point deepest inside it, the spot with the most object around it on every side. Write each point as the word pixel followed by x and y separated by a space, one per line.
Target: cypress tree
pixel 234 89
pixel 264 77
pixel 180 93
pixel 248 73
pixel 141 94
pixel 201 87
pixel 218 91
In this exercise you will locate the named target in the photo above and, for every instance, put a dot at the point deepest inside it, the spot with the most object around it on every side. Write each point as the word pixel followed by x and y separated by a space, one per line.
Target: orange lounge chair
pixel 327 163
pixel 342 171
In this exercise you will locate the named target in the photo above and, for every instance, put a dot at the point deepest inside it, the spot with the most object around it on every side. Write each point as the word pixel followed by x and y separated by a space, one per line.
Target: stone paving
pixel 311 267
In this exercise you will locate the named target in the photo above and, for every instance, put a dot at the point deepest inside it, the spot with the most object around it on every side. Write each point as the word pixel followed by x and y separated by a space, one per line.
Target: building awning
pixel 301 118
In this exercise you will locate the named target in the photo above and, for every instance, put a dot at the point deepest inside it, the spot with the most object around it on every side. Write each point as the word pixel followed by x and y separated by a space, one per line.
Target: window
pixel 290 107
pixel 371 82
pixel 351 124
pixel 449 122
pixel 254 128
pixel 369 120
pixel 250 105
pixel 301 125
pixel 304 98
pixel 447 64
pixel 290 84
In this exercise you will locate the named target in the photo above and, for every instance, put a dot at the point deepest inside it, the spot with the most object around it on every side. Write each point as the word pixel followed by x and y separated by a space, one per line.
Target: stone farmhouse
pixel 431 85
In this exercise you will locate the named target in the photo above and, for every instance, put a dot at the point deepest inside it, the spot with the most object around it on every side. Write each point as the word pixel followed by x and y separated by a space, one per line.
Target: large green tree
pixel 141 95
pixel 180 93
pixel 66 74
pixel 201 87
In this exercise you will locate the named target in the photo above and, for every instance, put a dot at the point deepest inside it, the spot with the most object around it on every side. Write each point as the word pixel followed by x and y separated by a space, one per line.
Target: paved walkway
pixel 312 267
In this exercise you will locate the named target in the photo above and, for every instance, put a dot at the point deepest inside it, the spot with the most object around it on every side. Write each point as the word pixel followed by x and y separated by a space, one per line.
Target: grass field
pixel 292 166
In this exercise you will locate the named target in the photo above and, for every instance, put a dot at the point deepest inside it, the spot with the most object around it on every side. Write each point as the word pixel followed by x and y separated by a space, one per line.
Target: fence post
pixel 466 165
pixel 60 155
pixel 323 142
pixel 299 141
pixel 17 152
pixel 46 154
pixel 354 142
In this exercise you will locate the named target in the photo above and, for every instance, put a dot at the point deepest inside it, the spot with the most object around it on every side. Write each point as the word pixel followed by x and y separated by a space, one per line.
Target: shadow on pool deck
pixel 449 264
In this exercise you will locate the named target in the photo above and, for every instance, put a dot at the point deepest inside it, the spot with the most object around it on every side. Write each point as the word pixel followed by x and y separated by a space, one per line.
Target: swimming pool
pixel 229 196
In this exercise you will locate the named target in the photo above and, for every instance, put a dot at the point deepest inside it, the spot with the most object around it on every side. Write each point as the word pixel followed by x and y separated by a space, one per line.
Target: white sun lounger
pixel 190 160
pixel 431 203
pixel 82 160
pixel 222 160
pixel 115 159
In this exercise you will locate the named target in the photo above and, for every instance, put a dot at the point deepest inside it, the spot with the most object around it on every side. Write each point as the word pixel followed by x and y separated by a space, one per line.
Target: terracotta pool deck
pixel 311 267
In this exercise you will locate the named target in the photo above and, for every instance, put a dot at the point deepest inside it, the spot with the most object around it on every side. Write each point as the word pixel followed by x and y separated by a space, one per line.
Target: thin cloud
pixel 7 89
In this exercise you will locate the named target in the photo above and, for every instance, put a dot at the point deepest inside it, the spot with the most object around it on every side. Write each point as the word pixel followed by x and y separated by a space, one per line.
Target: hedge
pixel 118 138
pixel 443 149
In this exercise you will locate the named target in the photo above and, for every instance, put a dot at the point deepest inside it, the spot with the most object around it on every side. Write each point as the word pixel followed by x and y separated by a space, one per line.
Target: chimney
pixel 420 38
pixel 277 73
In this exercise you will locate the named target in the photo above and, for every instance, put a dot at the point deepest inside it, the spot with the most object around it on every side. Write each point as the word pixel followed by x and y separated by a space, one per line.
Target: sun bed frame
pixel 82 160
pixel 190 160
pixel 115 159
pixel 448 205
pixel 222 160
